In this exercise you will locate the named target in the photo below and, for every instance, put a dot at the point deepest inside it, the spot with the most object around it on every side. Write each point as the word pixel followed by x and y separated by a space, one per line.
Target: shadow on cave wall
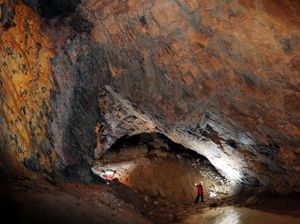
pixel 153 141
pixel 52 8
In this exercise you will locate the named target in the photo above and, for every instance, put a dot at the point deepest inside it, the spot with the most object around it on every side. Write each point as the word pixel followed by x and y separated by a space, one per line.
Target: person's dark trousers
pixel 197 198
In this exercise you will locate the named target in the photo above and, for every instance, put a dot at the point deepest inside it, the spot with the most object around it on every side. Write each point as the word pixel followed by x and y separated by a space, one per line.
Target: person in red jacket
pixel 199 193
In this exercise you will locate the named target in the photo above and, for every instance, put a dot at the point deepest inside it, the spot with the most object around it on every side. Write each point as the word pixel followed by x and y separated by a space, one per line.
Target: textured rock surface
pixel 220 77
pixel 25 76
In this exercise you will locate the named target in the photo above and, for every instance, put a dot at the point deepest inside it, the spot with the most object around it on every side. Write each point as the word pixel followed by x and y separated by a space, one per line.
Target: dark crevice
pixel 232 143
pixel 52 8
pixel 143 21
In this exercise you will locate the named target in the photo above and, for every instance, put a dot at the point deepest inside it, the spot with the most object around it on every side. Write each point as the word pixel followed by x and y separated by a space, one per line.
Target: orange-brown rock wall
pixel 25 75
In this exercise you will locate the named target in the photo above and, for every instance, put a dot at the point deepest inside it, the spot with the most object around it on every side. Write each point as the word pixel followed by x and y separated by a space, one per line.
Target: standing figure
pixel 108 175
pixel 199 192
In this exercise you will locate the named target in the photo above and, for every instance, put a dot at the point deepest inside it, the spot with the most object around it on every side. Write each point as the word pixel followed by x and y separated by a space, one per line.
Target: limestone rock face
pixel 219 77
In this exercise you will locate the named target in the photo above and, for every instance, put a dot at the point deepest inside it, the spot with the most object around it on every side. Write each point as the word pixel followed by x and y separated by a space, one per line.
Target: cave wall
pixel 220 77
pixel 26 84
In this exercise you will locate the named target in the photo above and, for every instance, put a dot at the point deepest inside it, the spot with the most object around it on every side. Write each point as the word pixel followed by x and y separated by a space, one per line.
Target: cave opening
pixel 153 172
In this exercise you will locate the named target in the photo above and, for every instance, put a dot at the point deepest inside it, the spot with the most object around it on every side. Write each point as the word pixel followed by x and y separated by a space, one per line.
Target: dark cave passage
pixel 160 172
pixel 157 176
pixel 154 141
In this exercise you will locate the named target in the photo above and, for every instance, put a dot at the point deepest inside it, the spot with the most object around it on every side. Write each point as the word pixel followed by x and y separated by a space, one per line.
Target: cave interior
pixel 115 111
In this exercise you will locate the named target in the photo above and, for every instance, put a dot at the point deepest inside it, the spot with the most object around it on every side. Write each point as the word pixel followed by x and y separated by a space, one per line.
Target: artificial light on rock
pixel 212 194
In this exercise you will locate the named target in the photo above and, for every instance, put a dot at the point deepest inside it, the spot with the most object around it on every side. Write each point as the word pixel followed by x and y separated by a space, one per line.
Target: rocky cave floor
pixel 141 193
